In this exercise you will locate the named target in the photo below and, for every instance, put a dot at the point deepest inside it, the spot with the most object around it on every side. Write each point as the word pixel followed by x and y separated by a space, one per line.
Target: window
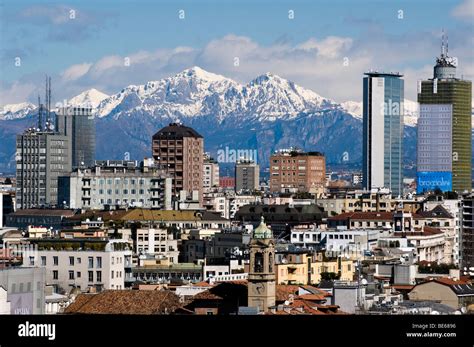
pixel 91 276
pixel 99 276
pixel 71 275
pixel 55 260
pixel 112 274
pixel 78 260
pixel 32 261
pixel 43 261
pixel 55 274
pixel 99 262
pixel 78 274
pixel 258 266
pixel 71 261
pixel 91 262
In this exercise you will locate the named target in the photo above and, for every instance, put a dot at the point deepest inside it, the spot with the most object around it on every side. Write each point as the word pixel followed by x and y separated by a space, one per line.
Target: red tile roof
pixel 363 216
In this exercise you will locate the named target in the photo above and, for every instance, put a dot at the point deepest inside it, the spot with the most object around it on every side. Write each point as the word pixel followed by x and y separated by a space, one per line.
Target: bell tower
pixel 261 282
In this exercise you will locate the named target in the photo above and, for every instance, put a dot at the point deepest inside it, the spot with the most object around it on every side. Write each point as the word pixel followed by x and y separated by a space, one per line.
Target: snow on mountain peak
pixel 16 111
pixel 89 98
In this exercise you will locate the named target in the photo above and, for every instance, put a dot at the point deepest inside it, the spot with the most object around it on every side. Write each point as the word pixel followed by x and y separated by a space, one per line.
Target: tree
pixel 330 276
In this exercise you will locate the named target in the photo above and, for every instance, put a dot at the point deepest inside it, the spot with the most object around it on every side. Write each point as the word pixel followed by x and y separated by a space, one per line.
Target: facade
pixel 211 174
pixel 82 267
pixel 116 183
pixel 157 242
pixel 24 287
pixel 78 124
pixel 180 150
pixel 41 157
pixel 467 236
pixel 383 112
pixel 444 129
pixel 261 280
pixel 455 294
pixel 247 176
pixel 295 171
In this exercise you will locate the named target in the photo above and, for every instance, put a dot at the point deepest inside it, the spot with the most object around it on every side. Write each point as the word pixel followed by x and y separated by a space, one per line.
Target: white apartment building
pixel 211 174
pixel 157 242
pixel 116 183
pixel 228 204
pixel 83 269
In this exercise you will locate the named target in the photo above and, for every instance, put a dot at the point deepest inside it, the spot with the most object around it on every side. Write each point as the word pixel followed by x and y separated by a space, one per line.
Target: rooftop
pixel 176 130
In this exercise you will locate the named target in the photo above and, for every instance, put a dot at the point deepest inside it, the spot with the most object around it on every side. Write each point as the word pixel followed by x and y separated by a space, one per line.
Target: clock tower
pixel 261 282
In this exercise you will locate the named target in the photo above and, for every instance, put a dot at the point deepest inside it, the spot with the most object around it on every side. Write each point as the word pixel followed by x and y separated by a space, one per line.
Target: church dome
pixel 262 231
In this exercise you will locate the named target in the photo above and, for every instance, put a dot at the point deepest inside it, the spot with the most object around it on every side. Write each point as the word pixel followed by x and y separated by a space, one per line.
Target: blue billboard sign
pixel 430 180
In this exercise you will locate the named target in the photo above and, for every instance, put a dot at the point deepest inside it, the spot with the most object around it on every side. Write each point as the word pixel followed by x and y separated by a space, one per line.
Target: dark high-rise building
pixel 78 124
pixel 383 131
pixel 180 150
pixel 41 156
pixel 444 129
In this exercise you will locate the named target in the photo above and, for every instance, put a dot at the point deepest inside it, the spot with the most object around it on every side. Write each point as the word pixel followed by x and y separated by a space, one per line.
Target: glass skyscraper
pixel 383 131
pixel 78 124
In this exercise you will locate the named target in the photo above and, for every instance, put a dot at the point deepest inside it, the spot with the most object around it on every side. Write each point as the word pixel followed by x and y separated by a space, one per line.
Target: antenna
pixel 49 98
pixel 39 113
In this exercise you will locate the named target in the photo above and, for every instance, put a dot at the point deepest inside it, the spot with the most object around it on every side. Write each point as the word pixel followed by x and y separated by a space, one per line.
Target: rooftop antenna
pixel 443 48
pixel 39 113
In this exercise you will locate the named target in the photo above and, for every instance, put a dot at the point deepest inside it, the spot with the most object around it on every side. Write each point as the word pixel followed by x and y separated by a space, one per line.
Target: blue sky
pixel 88 51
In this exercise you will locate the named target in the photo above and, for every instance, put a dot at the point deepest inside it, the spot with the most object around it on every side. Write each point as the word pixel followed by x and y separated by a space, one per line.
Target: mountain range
pixel 266 114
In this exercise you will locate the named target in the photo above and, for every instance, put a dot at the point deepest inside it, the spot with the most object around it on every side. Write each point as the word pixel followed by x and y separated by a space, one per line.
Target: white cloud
pixel 464 10
pixel 17 92
pixel 75 71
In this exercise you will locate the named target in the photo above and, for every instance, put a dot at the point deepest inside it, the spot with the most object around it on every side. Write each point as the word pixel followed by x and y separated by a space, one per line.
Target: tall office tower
pixel 180 150
pixel 294 171
pixel 383 131
pixel 41 156
pixel 211 173
pixel 78 124
pixel 444 129
pixel 247 175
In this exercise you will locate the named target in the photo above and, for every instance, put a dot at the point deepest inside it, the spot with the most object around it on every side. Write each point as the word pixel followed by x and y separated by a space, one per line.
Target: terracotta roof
pixel 363 216
pixel 206 295
pixel 125 302
pixel 202 284
pixel 402 286
pixel 313 297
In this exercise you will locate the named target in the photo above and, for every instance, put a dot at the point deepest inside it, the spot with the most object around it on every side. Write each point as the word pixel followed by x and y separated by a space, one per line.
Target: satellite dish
pixel 287 303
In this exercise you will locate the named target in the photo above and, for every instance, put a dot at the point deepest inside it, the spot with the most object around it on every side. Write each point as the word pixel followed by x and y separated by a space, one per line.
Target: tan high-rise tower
pixel 261 283
pixel 180 150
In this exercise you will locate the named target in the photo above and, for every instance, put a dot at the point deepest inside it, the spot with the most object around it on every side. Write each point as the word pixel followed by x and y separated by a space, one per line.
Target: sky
pixel 322 45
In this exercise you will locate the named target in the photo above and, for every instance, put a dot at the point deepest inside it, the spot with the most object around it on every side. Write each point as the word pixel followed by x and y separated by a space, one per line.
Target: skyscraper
pixel 78 124
pixel 41 156
pixel 444 129
pixel 383 131
pixel 180 150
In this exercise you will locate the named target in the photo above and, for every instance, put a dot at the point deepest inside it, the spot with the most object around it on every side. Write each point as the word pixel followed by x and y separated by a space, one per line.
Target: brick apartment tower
pixel 180 150
pixel 295 171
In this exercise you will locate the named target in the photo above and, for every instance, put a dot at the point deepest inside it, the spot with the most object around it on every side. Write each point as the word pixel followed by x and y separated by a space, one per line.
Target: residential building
pixel 157 242
pixel 296 171
pixel 383 110
pixel 116 183
pixel 180 150
pixel 227 182
pixel 211 174
pixel 24 287
pixel 454 293
pixel 41 157
pixel 78 124
pixel 467 236
pixel 47 218
pixel 247 176
pixel 82 263
pixel 444 129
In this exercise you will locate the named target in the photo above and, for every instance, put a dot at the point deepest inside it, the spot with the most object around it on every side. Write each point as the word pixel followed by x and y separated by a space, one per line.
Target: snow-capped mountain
pixel 16 111
pixel 89 98
pixel 411 109
pixel 195 92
